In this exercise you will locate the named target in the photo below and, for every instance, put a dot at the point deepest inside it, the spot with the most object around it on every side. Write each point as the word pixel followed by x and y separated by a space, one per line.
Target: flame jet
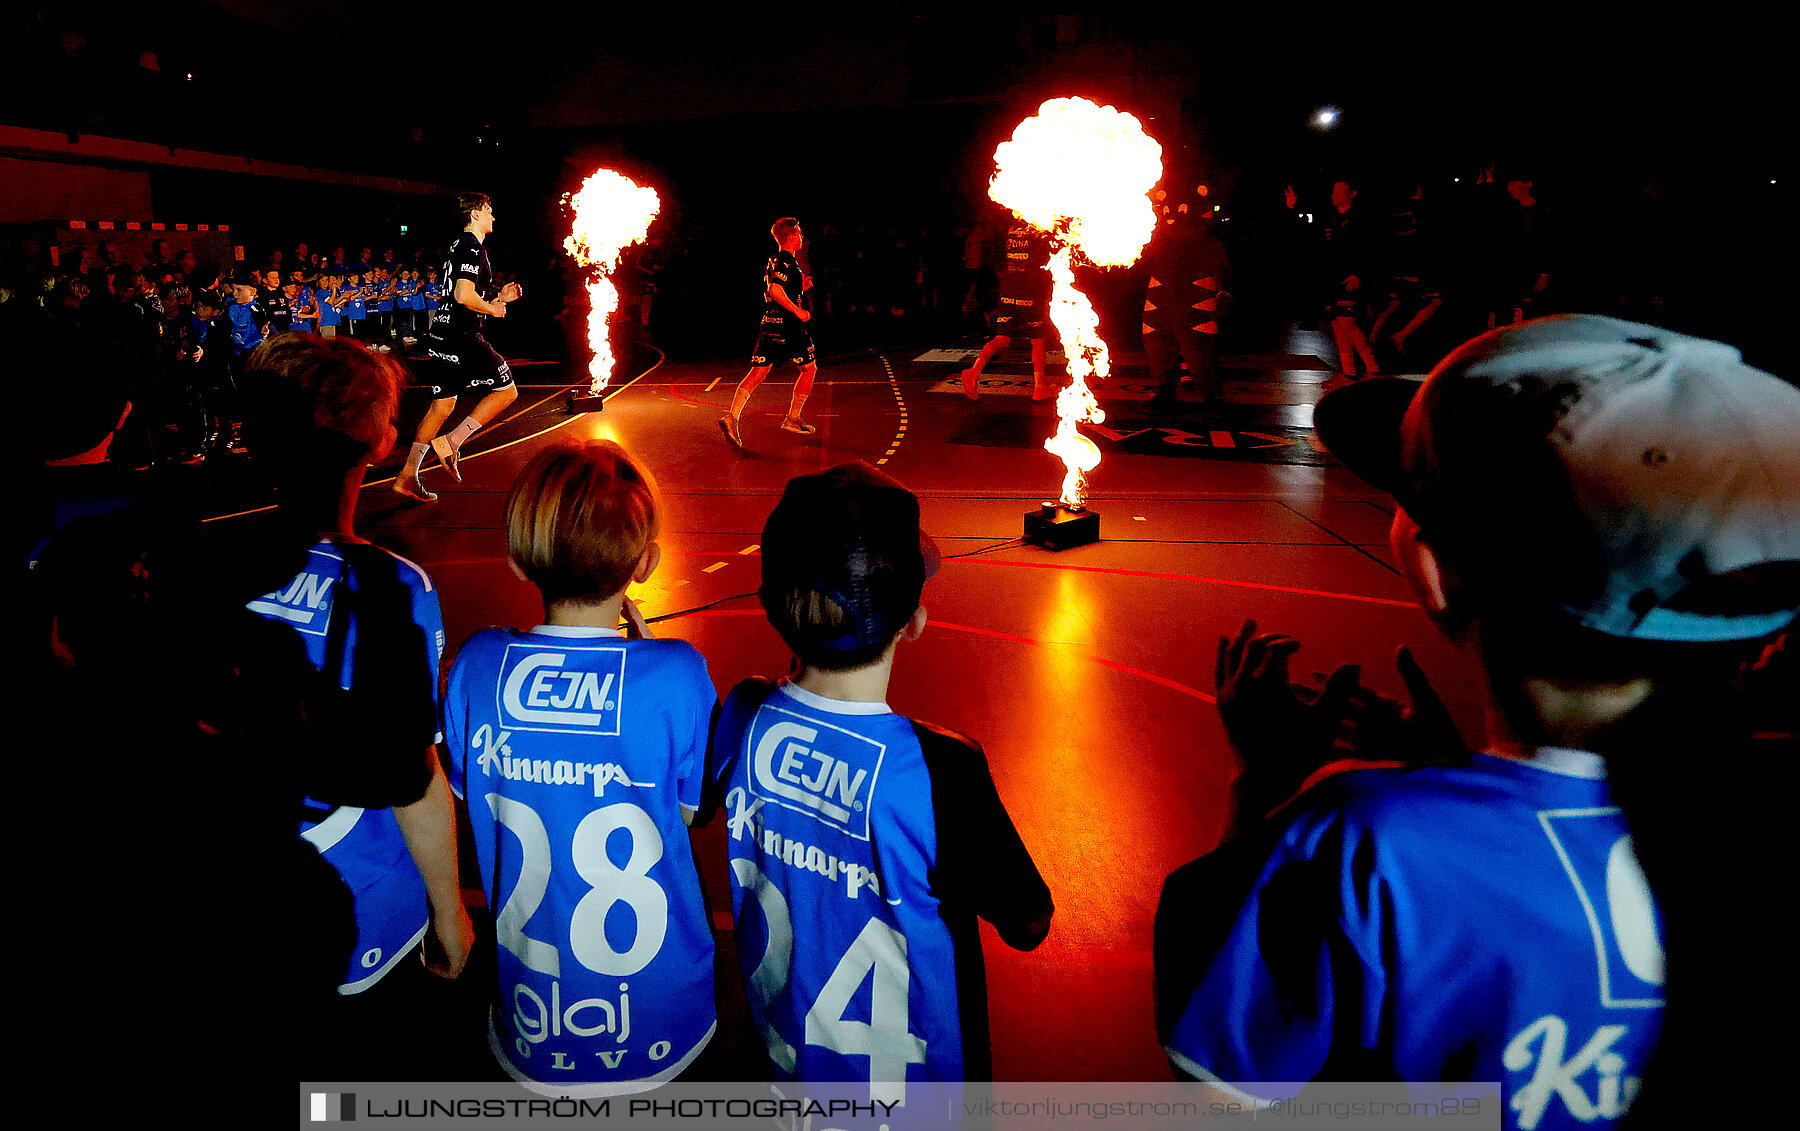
pixel 610 214
pixel 1082 174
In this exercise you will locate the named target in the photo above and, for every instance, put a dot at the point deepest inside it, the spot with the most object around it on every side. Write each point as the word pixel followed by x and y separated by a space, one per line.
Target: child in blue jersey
pixel 406 305
pixel 862 842
pixel 433 292
pixel 249 324
pixel 356 305
pixel 386 290
pixel 1607 516
pixel 581 753
pixel 318 412
pixel 303 312
pixel 330 304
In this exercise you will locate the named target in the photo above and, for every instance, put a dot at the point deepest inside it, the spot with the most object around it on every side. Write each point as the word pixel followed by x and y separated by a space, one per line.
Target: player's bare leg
pixel 1423 316
pixel 729 423
pixel 973 373
pixel 802 389
pixel 1353 344
pixel 1042 388
pixel 449 447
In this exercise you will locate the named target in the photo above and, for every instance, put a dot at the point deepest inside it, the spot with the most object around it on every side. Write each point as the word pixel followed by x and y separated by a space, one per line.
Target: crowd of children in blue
pixel 380 305
pixel 208 331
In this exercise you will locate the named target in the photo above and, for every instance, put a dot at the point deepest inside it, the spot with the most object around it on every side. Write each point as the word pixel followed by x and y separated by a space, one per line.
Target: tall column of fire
pixel 1082 174
pixel 610 214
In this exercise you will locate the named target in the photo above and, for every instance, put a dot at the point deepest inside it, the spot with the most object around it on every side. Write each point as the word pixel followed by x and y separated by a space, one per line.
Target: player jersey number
pixel 885 1039
pixel 608 885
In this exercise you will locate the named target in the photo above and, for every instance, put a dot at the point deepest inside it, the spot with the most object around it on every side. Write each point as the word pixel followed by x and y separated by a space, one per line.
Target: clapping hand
pixel 1283 731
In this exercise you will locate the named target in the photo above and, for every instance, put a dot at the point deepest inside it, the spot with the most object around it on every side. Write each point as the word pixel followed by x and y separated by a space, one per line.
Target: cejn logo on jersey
pixel 1589 1077
pixel 566 690
pixel 814 768
pixel 1621 913
pixel 305 603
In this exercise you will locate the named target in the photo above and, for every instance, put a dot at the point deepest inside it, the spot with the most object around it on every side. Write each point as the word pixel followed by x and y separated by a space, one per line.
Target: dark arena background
pixel 1653 155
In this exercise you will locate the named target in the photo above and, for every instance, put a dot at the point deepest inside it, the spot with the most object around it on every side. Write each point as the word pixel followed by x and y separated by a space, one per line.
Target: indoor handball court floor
pixel 1085 673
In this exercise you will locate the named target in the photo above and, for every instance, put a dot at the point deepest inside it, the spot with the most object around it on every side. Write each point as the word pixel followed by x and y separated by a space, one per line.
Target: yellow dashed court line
pixel 750 549
pixel 894 383
pixel 714 566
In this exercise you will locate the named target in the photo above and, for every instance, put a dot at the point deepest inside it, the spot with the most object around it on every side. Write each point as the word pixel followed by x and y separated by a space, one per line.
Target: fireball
pixel 1082 174
pixel 610 214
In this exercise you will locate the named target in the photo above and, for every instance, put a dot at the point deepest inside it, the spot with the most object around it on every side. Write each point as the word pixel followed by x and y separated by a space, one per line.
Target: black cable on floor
pixel 735 596
pixel 697 608
pixel 986 549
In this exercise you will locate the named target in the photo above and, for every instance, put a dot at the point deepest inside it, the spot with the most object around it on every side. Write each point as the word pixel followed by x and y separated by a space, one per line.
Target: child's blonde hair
pixel 579 518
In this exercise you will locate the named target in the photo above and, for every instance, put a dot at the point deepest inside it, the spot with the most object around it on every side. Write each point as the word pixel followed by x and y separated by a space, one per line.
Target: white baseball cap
pixel 1645 481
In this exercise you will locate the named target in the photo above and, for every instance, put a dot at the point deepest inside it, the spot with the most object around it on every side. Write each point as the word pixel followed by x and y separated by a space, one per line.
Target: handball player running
pixel 782 335
pixel 463 358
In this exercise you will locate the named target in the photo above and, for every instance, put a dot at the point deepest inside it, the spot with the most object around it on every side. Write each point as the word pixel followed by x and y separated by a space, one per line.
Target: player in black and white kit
pixel 782 335
pixel 464 359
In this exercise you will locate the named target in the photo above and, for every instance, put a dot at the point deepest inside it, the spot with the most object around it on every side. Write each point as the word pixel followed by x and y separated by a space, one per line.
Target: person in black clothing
pixel 463 358
pixel 1190 283
pixel 1528 252
pixel 1348 265
pixel 273 302
pixel 781 336
pixel 1024 310
pixel 1414 277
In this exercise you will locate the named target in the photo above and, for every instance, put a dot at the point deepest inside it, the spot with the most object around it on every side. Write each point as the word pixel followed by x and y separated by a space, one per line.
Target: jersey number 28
pixel 608 884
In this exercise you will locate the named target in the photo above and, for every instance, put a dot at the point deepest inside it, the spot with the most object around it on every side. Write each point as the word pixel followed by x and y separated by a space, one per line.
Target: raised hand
pixel 1283 731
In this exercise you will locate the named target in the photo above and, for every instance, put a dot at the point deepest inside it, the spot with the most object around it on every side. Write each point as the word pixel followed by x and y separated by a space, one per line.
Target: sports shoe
pixel 410 486
pixel 728 424
pixel 797 426
pixel 448 454
pixel 969 377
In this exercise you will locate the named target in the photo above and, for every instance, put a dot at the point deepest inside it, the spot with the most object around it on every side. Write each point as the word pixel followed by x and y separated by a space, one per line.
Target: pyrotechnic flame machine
pixel 609 213
pixel 1081 174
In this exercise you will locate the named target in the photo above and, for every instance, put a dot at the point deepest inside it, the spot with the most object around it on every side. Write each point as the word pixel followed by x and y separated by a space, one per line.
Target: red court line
pixel 1126 668
pixel 1141 674
pixel 693 400
pixel 1191 577
pixel 1130 573
pixel 982 631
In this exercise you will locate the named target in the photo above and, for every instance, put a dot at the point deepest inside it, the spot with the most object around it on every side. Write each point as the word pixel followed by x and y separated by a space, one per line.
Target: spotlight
pixel 1325 117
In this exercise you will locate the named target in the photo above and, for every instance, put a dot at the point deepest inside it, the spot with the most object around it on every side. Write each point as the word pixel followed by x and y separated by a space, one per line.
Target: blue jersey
pixel 855 883
pixel 329 315
pixel 577 752
pixel 433 292
pixel 303 299
pixel 364 845
pixel 1486 922
pixel 246 335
